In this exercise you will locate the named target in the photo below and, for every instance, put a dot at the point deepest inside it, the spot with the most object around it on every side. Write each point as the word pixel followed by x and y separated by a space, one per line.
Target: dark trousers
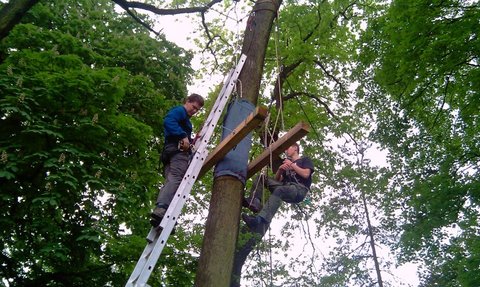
pixel 174 171
pixel 290 192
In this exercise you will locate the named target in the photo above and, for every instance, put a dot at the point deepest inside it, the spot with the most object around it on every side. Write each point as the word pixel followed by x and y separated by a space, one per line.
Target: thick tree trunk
pixel 11 14
pixel 221 233
pixel 257 34
pixel 216 259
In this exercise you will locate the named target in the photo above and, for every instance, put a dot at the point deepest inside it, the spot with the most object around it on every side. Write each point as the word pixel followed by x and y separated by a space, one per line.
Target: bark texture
pixel 11 14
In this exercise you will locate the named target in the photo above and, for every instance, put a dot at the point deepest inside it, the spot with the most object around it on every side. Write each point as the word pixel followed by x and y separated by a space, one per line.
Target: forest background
pixel 84 87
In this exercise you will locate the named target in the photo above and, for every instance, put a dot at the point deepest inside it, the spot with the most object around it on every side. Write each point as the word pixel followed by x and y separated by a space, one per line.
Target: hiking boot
pixel 157 215
pixel 253 204
pixel 156 218
pixel 253 222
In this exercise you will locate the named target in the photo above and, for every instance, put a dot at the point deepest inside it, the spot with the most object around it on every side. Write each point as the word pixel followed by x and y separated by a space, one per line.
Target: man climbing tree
pixel 291 184
pixel 176 152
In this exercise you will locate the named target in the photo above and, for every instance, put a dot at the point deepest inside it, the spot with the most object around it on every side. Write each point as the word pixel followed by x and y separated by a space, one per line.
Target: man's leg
pixel 254 200
pixel 259 222
pixel 289 192
pixel 174 173
pixel 271 206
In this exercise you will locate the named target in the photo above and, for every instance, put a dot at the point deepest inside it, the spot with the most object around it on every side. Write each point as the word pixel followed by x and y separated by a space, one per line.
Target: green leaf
pixel 6 174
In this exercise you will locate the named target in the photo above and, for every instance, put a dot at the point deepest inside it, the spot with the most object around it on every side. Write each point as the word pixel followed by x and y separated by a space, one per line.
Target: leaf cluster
pixel 83 91
pixel 423 58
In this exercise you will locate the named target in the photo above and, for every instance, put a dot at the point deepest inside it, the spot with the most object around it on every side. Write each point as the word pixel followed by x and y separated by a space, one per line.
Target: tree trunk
pixel 221 233
pixel 11 14
pixel 216 258
pixel 242 253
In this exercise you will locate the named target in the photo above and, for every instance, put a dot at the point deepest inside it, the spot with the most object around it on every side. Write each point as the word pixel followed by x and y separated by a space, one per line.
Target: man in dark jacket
pixel 176 152
pixel 291 184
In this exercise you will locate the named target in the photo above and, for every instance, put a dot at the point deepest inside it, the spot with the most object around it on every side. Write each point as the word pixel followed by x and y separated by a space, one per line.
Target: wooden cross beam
pixel 250 123
pixel 276 148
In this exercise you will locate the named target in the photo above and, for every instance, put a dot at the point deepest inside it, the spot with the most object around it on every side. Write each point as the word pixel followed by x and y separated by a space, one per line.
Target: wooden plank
pixel 278 147
pixel 241 131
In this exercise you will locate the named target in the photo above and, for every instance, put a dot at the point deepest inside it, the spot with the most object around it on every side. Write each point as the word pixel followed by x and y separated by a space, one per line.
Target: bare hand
pixel 184 144
pixel 286 165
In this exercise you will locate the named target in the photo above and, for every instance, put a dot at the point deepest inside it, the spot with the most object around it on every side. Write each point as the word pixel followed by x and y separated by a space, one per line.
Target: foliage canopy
pixel 83 93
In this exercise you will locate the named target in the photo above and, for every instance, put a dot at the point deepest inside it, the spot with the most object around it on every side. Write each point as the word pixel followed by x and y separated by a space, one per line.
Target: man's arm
pixel 171 123
pixel 303 172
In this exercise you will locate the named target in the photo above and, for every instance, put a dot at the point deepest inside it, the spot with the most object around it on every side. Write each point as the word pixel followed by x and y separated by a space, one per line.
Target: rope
pixel 279 116
pixel 237 33
pixel 267 132
pixel 270 253
pixel 278 69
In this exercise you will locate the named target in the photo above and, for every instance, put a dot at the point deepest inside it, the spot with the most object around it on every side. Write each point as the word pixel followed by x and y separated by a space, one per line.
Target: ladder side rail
pixel 228 82
pixel 143 259
pixel 216 104
pixel 149 256
pixel 204 140
pixel 214 108
pixel 153 250
pixel 169 223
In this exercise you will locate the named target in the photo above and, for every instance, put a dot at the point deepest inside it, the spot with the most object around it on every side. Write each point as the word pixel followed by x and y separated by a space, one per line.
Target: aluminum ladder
pixel 158 236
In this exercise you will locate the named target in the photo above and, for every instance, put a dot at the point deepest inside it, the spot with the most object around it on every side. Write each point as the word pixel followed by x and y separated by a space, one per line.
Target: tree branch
pixel 296 94
pixel 161 11
pixel 330 75
pixel 440 109
pixel 284 73
pixel 12 13
pixel 125 7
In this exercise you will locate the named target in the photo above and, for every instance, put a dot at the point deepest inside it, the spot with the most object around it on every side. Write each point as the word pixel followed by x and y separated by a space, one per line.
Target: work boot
pixel 156 218
pixel 253 222
pixel 254 205
pixel 157 215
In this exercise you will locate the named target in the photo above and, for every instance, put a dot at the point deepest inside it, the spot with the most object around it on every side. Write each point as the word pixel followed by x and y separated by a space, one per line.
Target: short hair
pixel 195 98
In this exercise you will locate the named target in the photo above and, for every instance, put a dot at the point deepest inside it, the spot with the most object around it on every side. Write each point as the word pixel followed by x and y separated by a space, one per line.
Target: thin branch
pixel 443 102
pixel 125 7
pixel 312 96
pixel 330 75
pixel 210 39
pixel 327 108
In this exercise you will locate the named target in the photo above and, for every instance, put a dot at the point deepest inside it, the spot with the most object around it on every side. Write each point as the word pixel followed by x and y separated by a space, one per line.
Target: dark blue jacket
pixel 177 125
